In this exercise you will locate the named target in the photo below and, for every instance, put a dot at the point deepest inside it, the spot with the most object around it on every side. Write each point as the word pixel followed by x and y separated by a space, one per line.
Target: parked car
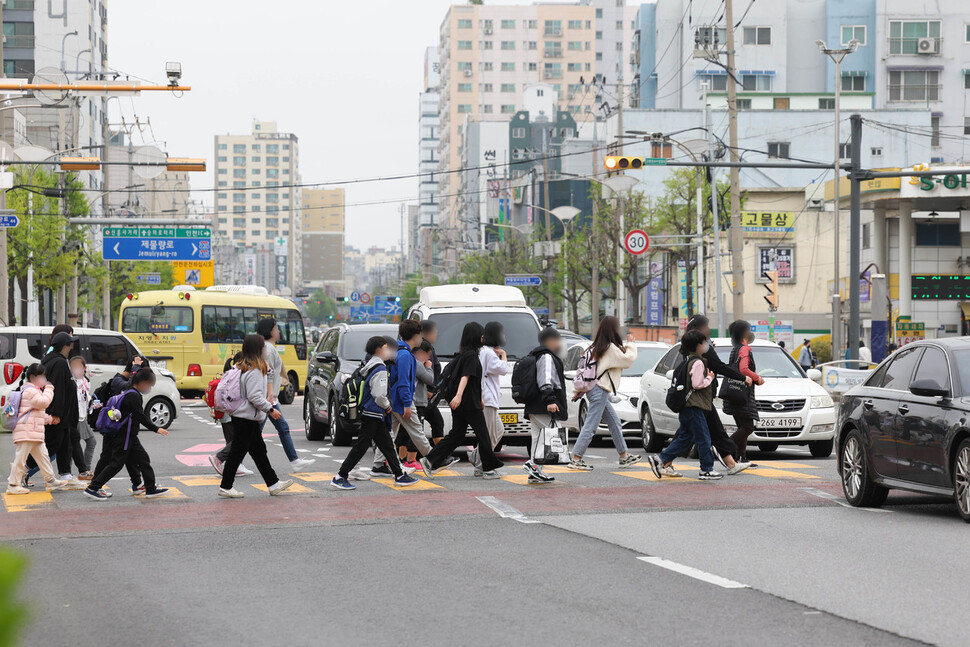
pixel 570 338
pixel 906 426
pixel 106 353
pixel 794 409
pixel 648 354
pixel 338 353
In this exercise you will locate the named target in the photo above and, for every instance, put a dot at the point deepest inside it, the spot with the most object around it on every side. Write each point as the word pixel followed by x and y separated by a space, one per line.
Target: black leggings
pixel 247 439
pixel 745 429
pixel 433 416
pixel 372 429
pixel 461 419
pixel 119 457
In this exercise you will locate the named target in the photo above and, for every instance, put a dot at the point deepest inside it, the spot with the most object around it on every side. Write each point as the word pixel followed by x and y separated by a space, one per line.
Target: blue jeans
pixel 283 429
pixel 693 431
pixel 599 408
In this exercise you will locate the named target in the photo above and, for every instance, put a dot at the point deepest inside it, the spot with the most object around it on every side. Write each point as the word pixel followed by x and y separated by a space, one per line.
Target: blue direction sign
pixel 387 306
pixel 157 244
pixel 152 278
pixel 523 280
pixel 9 220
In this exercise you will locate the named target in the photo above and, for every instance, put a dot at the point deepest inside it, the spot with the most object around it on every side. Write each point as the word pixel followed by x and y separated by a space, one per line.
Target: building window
pixel 272 149
pixel 575 24
pixel 937 234
pixel 845 151
pixel 530 24
pixel 222 147
pixel 464 44
pixel 718 82
pixel 239 149
pixel 756 82
pixel 223 196
pixel 518 133
pixel 850 32
pixel 508 24
pixel 599 35
pixel 966 80
pixel 239 209
pixel 239 172
pixel 239 235
pixel 599 57
pixel 552 70
pixel 966 36
pixel 826 103
pixel 256 147
pixel 255 158
pixel 531 45
pixel 574 67
pixel 508 87
pixel 508 67
pixel 222 158
pixel 914 85
pixel 508 109
pixel 487 109
pixel 866 235
pixel 223 183
pixel 853 84
pixel 966 125
pixel 744 104
pixel 552 49
pixel 484 87
pixel 464 24
pixel 485 66
pixel 935 128
pixel 533 66
pixel 575 45
pixel 239 160
pixel 876 151
pixel 575 109
pixel 484 44
pixel 508 44
pixel 757 36
pixel 464 87
pixel 779 150
pixel 239 197
pixel 619 25
pixel 661 149
pixel 552 28
pixel 905 35
pixel 464 108
pixel 599 13
pixel 223 221
pixel 464 65
pixel 222 171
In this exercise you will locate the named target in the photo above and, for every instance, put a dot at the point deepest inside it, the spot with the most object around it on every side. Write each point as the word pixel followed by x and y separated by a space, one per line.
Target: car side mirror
pixel 326 357
pixel 670 375
pixel 814 375
pixel 928 388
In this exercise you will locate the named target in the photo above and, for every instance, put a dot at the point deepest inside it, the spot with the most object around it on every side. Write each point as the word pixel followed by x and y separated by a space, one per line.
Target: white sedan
pixel 648 354
pixel 794 410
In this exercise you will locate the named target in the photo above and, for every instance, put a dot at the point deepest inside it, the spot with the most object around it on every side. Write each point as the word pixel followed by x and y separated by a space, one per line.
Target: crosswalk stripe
pixel 646 475
pixel 195 481
pixel 778 474
pixel 313 477
pixel 173 494
pixel 422 484
pixel 30 501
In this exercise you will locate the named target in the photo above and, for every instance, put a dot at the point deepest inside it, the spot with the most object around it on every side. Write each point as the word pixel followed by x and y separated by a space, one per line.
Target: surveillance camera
pixel 174 72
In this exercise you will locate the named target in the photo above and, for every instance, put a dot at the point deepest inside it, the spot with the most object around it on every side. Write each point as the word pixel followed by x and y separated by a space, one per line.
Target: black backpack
pixel 525 386
pixel 446 386
pixel 680 389
pixel 350 400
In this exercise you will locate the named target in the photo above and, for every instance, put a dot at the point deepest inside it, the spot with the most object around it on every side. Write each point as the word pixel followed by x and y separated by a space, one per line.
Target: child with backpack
pixel 699 400
pixel 407 453
pixel 539 383
pixel 85 405
pixel 218 459
pixel 375 410
pixel 119 421
pixel 27 409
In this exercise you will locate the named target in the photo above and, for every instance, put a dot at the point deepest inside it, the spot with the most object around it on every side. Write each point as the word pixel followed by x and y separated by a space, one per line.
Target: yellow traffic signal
pixel 619 163
pixel 772 287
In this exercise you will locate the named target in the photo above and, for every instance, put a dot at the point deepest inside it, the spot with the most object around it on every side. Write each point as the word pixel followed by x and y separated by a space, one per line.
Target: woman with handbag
pixel 744 410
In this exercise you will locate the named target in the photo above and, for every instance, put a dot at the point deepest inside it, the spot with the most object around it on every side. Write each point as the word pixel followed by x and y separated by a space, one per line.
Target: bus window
pixel 150 319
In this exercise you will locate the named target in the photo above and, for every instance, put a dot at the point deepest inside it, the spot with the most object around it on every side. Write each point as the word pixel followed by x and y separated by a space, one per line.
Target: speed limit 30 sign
pixel 636 242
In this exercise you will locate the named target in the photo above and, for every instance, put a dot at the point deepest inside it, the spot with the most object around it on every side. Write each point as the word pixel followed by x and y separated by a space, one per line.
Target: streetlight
pixel 837 55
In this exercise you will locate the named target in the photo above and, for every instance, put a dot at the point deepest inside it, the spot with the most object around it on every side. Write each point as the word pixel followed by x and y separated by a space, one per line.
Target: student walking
pixel 28 436
pixel 83 459
pixel 429 330
pixel 120 383
pixel 375 417
pixel 549 405
pixel 248 420
pixel 745 413
pixel 611 355
pixel 692 418
pixel 270 331
pixel 466 410
pixel 63 408
pixel 424 371
pixel 123 446
pixel 495 364
pixel 218 459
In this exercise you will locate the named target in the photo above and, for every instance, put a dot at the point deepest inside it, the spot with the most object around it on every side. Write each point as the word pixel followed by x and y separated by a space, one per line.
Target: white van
pixel 452 306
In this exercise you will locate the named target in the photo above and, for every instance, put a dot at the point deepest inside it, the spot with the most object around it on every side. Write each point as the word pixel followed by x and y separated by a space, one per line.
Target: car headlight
pixel 822 402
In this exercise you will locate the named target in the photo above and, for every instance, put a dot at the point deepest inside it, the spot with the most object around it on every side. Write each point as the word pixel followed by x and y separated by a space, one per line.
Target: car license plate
pixel 778 423
pixel 158 363
pixel 509 418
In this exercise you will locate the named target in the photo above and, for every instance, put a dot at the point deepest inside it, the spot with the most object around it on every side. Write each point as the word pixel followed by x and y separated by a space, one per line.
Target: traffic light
pixel 616 163
pixel 397 299
pixel 772 287
pixel 344 299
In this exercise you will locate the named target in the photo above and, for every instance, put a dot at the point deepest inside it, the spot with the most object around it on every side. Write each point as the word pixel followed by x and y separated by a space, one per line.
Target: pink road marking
pixel 207 448
pixel 193 460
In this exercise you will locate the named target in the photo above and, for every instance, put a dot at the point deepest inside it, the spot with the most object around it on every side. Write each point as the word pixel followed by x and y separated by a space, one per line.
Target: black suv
pixel 339 351
pixel 907 427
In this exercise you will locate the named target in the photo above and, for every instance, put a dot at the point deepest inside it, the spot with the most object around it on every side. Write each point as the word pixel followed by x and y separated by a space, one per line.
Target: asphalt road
pixel 766 557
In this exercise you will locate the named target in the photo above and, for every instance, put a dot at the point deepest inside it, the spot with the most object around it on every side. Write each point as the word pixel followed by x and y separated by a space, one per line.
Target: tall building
pixel 489 53
pixel 428 134
pixel 256 206
pixel 323 239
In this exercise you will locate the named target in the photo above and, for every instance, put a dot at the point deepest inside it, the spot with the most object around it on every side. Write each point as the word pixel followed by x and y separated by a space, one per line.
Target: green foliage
pixel 319 308
pixel 822 347
pixel 124 279
pixel 12 613
pixel 511 256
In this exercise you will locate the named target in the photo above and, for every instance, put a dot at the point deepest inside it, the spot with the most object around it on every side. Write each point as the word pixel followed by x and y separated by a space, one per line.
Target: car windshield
pixel 647 358
pixel 354 341
pixel 769 361
pixel 521 331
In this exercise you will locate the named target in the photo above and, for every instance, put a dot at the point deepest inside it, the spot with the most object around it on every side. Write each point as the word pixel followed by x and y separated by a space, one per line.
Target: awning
pixel 965 309
pixel 861 73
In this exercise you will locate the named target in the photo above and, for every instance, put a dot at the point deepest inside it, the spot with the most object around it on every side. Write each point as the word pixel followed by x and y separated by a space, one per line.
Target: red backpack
pixel 210 399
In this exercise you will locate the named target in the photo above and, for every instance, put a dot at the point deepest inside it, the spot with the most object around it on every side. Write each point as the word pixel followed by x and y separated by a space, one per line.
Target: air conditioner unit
pixel 468 72
pixel 927 46
pixel 487 31
pixel 816 204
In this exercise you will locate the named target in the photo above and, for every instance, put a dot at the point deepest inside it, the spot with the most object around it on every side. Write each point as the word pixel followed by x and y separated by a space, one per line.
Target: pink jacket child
pixel 28 436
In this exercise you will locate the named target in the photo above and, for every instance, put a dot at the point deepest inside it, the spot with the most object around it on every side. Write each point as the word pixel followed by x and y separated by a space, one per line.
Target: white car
pixel 794 409
pixel 106 353
pixel 648 354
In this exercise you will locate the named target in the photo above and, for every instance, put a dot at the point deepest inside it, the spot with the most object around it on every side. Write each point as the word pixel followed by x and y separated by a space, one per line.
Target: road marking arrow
pixel 195 250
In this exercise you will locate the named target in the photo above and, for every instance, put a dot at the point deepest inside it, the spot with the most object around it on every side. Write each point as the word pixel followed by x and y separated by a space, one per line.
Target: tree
pixel 320 308
pixel 511 256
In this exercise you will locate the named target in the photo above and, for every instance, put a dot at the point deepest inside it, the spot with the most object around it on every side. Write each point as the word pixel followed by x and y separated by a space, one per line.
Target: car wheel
pixel 768 447
pixel 961 480
pixel 288 393
pixel 338 437
pixel 858 487
pixel 821 448
pixel 581 418
pixel 314 430
pixel 161 411
pixel 652 441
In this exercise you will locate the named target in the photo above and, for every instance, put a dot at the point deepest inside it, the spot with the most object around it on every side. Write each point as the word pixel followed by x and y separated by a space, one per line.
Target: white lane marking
pixel 322 449
pixel 306 451
pixel 695 573
pixel 504 510
pixel 837 499
pixel 320 455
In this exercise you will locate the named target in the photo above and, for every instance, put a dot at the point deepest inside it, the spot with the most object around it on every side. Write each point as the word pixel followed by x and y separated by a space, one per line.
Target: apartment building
pixel 256 206
pixel 428 159
pixel 322 237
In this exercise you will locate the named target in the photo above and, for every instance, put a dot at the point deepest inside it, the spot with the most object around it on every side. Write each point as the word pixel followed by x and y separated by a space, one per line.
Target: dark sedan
pixel 906 427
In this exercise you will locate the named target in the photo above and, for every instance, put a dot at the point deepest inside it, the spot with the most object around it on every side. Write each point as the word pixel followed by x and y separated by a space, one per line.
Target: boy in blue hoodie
pixel 375 407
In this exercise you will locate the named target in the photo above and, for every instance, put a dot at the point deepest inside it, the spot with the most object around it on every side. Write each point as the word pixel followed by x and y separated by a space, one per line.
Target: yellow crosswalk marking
pixel 523 479
pixel 296 488
pixel 559 469
pixel 778 474
pixel 787 466
pixel 647 475
pixel 173 494
pixel 195 481
pixel 422 484
pixel 25 502
pixel 448 472
pixel 313 477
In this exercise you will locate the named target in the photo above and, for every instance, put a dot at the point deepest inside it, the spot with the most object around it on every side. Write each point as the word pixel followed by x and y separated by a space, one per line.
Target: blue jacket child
pixel 403 373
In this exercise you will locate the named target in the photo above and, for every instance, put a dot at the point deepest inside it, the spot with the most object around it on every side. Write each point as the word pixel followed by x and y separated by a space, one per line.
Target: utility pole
pixel 4 274
pixel 736 239
pixel 60 310
pixel 594 301
pixel 717 220
pixel 106 289
pixel 855 239
pixel 546 216
pixel 621 208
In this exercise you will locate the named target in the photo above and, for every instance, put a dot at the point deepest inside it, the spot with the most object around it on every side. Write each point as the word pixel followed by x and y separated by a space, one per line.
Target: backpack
pixel 10 416
pixel 209 397
pixel 228 393
pixel 525 383
pixel 101 394
pixel 586 377
pixel 680 389
pixel 350 400
pixel 446 386
pixel 108 425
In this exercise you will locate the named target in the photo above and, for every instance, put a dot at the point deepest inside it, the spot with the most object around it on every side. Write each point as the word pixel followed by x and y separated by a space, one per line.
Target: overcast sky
pixel 343 75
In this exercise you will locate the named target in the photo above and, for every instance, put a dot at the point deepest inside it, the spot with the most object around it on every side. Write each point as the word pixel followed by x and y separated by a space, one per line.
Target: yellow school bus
pixel 192 332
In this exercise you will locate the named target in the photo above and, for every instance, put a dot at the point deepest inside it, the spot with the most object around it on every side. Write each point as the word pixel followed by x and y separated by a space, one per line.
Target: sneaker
pixel 409 470
pixel 136 491
pixel 157 492
pixel 216 464
pixel 56 485
pixel 85 476
pixel 710 476
pixel 414 465
pixel 718 457
pixel 300 463
pixel 231 493
pixel 71 483
pixel 278 487
pixel 745 459
pixel 491 475
pixel 478 472
pixel 17 489
pixel 538 481
pixel 97 495
pixel 404 480
pixel 26 483
pixel 341 483
pixel 670 472
pixel 427 468
pixel 448 463
pixel 358 475
pixel 738 468
pixel 631 459
pixel 656 465
pixel 536 475
pixel 242 470
pixel 580 465
pixel 381 470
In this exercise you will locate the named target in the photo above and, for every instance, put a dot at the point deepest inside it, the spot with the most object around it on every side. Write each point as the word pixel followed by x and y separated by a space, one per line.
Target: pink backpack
pixel 228 397
pixel 586 377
